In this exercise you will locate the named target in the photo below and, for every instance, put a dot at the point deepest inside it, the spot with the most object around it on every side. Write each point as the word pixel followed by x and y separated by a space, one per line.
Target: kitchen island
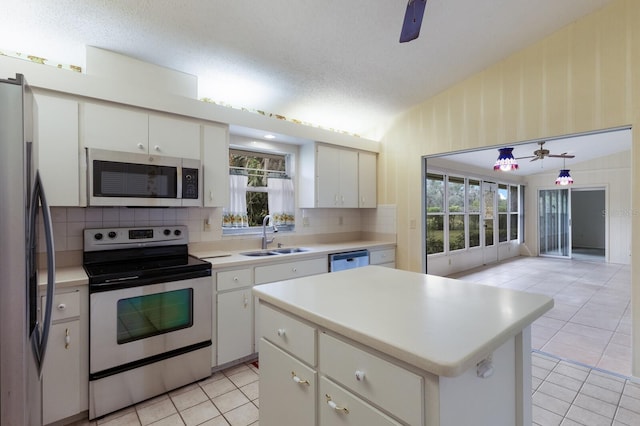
pixel 380 346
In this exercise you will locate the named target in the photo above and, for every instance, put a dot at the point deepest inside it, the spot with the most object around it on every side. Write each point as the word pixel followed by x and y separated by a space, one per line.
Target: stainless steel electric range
pixel 150 314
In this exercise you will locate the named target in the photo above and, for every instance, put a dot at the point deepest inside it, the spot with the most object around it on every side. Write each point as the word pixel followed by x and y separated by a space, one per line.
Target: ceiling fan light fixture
pixel 564 178
pixel 505 161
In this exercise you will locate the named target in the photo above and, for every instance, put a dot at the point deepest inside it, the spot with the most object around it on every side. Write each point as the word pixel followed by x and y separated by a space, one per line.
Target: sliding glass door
pixel 554 222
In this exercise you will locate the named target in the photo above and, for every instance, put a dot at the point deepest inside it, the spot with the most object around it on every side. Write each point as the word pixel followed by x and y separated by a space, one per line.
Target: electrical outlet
pixel 305 221
pixel 412 224
pixel 340 220
pixel 207 225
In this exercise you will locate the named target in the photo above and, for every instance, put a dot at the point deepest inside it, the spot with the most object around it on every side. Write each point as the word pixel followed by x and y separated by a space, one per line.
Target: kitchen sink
pixel 290 250
pixel 274 252
pixel 259 253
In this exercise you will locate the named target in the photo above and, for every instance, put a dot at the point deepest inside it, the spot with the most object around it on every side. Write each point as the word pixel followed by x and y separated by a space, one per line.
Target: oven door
pixel 136 324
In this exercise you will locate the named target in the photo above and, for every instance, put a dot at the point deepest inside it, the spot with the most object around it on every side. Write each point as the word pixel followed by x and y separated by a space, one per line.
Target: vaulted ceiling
pixel 335 63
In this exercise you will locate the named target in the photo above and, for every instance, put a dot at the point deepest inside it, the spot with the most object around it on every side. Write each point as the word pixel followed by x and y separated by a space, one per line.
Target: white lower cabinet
pixel 343 385
pixel 385 257
pixel 289 270
pixel 235 325
pixel 64 386
pixel 287 389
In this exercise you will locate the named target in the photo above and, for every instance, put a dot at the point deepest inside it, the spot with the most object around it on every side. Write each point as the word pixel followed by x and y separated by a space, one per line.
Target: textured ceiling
pixel 335 63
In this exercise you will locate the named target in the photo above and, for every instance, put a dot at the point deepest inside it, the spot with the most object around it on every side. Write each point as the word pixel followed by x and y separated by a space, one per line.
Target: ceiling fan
pixel 540 154
pixel 412 20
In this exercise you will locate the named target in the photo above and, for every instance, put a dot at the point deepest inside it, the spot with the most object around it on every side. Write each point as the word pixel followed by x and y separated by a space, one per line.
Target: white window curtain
pixel 236 215
pixel 281 200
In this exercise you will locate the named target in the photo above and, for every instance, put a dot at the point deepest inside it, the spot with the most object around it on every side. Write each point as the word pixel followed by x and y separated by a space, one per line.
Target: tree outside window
pixel 435 213
pixel 456 198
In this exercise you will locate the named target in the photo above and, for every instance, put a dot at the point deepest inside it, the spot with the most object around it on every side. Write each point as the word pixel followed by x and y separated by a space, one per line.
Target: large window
pixel 454 214
pixel 259 185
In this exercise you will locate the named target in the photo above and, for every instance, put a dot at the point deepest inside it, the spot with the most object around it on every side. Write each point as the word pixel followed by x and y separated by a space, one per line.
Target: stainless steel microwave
pixel 131 179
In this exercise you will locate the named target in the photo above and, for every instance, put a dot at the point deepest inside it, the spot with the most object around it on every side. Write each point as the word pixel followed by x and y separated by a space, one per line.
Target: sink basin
pixel 259 253
pixel 290 250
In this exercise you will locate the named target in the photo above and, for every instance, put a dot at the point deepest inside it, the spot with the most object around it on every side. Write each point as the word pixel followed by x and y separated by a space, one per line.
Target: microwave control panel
pixel 189 183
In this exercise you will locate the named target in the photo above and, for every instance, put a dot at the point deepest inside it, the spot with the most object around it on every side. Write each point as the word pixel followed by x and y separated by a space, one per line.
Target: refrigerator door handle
pixel 38 198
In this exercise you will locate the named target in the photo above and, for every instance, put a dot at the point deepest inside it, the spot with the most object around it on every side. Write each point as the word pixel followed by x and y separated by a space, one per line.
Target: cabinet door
pixel 61 374
pixel 367 184
pixel 235 325
pixel 348 179
pixel 173 137
pixel 59 150
pixel 215 164
pixel 327 176
pixel 287 389
pixel 116 129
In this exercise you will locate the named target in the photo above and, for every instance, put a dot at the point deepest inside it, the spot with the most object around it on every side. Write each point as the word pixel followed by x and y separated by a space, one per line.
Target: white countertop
pixel 70 276
pixel 223 259
pixel 440 325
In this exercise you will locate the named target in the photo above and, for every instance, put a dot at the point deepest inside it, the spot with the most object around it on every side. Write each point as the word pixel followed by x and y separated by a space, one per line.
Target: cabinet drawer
pixel 289 270
pixel 288 333
pixel 238 278
pixel 373 378
pixel 65 305
pixel 382 256
pixel 348 409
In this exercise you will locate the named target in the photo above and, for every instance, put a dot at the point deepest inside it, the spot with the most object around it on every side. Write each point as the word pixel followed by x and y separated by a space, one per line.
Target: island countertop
pixel 440 325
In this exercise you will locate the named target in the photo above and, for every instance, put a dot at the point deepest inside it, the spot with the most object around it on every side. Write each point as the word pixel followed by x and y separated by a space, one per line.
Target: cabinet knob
pixel 298 380
pixel 335 406
pixel 294 269
pixel 156 148
pixel 62 307
pixel 359 375
pixel 281 332
pixel 235 279
pixel 140 146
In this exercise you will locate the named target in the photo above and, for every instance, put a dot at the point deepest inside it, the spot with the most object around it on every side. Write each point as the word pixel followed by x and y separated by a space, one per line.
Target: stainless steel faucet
pixel 265 241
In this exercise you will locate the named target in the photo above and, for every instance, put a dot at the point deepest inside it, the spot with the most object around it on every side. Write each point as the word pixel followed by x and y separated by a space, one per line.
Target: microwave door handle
pixel 38 198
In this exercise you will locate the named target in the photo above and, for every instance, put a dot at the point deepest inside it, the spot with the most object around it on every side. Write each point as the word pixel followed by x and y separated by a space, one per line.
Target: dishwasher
pixel 348 260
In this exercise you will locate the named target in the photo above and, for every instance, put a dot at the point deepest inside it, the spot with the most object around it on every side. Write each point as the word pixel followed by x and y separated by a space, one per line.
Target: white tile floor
pixel 591 320
pixel 581 358
pixel 226 398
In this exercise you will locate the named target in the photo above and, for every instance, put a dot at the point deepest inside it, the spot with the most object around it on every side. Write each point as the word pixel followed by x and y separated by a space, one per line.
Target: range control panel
pixel 119 238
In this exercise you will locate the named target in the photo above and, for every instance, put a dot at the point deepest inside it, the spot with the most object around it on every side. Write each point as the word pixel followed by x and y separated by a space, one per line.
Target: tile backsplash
pixel 205 224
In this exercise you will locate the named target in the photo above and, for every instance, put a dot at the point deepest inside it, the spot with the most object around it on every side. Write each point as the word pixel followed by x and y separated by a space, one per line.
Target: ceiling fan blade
pixel 536 158
pixel 528 156
pixel 562 155
pixel 412 20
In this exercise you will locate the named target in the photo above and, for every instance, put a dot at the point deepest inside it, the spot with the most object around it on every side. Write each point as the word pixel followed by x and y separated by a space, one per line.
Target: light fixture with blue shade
pixel 564 178
pixel 505 161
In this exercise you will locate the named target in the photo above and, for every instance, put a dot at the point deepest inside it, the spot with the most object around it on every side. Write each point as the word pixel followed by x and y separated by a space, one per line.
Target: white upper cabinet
pixel 58 154
pixel 128 130
pixel 215 164
pixel 336 177
pixel 367 185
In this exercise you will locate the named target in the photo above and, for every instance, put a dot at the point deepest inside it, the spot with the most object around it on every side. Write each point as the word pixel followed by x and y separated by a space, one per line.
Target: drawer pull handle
pixel 67 339
pixel 359 375
pixel 282 332
pixel 298 380
pixel 334 406
pixel 62 307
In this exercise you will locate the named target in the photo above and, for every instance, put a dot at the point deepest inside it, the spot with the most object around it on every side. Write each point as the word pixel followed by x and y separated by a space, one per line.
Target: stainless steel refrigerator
pixel 24 323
